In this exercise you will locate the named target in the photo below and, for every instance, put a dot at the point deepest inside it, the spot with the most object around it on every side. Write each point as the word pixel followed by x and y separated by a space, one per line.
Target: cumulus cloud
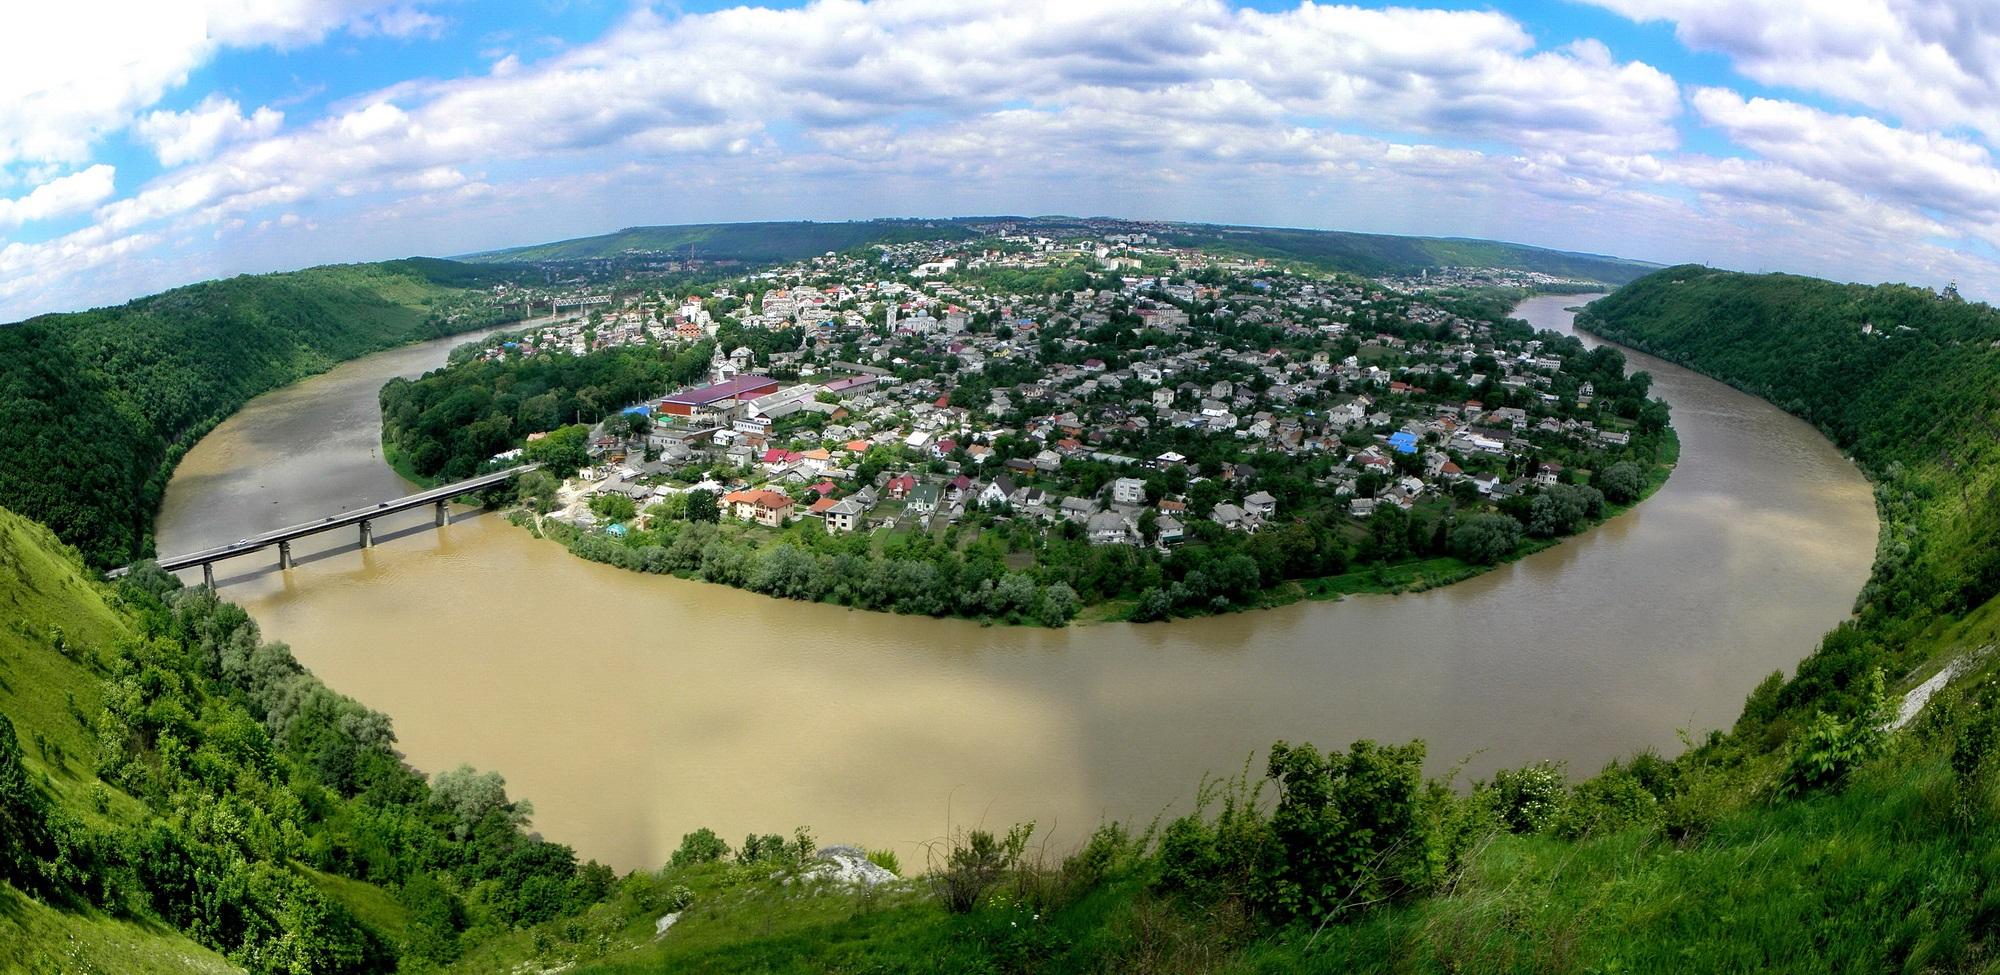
pixel 75 71
pixel 179 137
pixel 1929 63
pixel 59 197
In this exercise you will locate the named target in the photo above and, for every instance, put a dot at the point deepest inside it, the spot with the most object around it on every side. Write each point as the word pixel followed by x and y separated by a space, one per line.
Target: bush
pixel 975 864
pixel 1349 831
pixel 1527 799
pixel 887 860
pixel 1824 753
pixel 700 846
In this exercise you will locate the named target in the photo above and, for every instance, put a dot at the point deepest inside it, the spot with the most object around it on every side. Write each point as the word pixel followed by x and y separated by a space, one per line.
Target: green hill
pixel 98 406
pixel 754 243
pixel 1371 254
pixel 1385 254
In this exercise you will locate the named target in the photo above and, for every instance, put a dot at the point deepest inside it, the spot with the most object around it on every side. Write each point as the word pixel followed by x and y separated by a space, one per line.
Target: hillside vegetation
pixel 1331 250
pixel 1387 254
pixel 177 794
pixel 98 406
pixel 767 242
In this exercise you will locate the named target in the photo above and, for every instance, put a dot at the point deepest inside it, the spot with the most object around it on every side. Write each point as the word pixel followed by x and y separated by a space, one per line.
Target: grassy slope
pixel 42 586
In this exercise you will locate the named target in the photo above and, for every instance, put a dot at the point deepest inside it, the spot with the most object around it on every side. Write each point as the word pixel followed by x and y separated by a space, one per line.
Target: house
pixel 1109 528
pixel 901 486
pixel 1232 517
pixel 923 499
pixel 997 491
pixel 844 516
pixel 1171 530
pixel 1077 509
pixel 1361 507
pixel 1128 490
pixel 1548 474
pixel 768 508
pixel 1261 504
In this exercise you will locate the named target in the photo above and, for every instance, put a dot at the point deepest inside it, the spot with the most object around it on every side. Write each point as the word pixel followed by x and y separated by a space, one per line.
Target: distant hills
pixel 1333 250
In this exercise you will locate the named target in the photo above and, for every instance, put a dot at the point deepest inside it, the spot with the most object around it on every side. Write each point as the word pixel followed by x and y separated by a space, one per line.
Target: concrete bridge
pixel 437 497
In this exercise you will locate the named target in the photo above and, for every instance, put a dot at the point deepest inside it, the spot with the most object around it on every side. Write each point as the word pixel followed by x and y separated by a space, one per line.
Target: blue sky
pixel 147 146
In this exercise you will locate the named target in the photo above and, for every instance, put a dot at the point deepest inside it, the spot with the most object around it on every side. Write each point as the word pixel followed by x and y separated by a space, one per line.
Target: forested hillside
pixel 1332 250
pixel 1380 254
pixel 98 406
pixel 768 242
pixel 1904 379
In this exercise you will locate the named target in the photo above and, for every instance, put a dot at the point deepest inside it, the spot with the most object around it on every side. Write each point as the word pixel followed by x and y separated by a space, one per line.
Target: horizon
pixel 145 150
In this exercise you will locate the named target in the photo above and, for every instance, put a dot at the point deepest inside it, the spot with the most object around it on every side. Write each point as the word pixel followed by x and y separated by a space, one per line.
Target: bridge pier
pixel 367 535
pixel 208 575
pixel 284 555
pixel 443 513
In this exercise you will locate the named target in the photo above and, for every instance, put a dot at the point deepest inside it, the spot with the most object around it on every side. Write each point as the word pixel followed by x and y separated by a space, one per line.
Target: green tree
pixel 612 506
pixel 701 506
pixel 1622 482
pixel 537 490
pixel 563 452
pixel 1484 539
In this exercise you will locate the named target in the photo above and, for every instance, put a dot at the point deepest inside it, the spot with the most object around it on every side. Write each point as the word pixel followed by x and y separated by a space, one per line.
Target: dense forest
pixel 98 406
pixel 445 424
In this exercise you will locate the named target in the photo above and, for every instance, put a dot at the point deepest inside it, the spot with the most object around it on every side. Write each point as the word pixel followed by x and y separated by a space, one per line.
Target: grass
pixel 35 937
pixel 49 686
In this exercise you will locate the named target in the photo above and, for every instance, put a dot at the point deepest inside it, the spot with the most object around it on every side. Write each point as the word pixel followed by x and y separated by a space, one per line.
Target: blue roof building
pixel 1403 442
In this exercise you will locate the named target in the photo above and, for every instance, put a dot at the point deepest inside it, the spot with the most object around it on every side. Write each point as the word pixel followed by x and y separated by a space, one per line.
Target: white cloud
pixel 1929 63
pixel 75 71
pixel 59 197
pixel 179 137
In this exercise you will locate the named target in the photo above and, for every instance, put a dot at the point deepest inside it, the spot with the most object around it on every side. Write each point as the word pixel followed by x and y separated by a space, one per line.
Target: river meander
pixel 633 708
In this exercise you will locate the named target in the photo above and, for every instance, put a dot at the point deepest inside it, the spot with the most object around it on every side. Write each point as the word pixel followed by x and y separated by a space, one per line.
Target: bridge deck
pixel 341 520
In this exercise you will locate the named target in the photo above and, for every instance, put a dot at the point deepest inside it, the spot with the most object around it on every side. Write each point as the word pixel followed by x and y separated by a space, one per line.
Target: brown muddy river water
pixel 633 708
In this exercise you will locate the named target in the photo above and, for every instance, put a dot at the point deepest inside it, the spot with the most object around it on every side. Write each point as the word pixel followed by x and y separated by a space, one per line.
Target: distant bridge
pixel 558 304
pixel 439 497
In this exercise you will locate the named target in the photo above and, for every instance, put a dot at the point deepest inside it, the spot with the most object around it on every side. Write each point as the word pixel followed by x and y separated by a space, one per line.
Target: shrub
pixel 887 860
pixel 1527 799
pixel 700 846
pixel 1349 831
pixel 975 864
pixel 1824 753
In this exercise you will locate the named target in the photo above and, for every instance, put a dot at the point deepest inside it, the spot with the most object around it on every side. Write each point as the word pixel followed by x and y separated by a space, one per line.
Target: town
pixel 1111 392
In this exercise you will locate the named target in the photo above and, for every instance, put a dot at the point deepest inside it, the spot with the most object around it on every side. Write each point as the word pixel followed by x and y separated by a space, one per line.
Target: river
pixel 631 709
